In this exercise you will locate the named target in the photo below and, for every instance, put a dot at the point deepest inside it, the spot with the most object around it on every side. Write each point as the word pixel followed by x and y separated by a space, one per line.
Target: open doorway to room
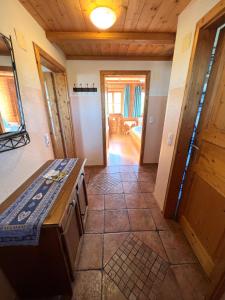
pixel 124 103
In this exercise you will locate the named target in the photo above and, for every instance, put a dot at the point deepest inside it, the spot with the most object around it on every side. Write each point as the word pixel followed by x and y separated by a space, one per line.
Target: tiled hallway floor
pixel 129 251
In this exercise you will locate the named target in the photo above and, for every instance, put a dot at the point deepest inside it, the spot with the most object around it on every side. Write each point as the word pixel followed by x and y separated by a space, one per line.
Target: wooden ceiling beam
pixel 159 38
pixel 117 57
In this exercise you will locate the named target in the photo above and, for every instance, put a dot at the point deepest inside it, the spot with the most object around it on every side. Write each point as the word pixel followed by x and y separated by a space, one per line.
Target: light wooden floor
pixel 122 151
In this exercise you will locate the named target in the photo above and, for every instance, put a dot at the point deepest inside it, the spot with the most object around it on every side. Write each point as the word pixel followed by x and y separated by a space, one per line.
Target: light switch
pixel 151 119
pixel 46 140
pixel 170 139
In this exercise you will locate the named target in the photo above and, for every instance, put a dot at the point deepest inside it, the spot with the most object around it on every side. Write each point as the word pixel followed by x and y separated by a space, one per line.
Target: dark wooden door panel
pixel 203 216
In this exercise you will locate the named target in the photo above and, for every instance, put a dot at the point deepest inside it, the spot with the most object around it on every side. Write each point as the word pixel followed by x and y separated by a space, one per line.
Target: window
pixel 114 103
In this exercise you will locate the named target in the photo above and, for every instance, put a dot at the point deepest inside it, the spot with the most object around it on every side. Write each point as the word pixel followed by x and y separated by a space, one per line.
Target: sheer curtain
pixel 137 102
pixel 126 101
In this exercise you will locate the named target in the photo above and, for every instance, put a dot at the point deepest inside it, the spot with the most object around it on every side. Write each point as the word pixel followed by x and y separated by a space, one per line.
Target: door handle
pixel 195 147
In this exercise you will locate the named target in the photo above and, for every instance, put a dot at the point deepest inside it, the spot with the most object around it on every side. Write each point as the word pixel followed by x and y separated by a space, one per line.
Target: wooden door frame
pixel 43 58
pixel 201 51
pixel 105 73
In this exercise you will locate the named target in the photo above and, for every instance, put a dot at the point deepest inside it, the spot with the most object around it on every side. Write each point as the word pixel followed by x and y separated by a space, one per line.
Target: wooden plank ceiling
pixel 144 29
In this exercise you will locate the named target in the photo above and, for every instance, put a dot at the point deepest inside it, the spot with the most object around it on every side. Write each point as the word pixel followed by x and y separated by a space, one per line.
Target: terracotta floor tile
pixel 144 176
pixel 112 169
pixel 139 168
pixel 160 222
pixel 126 169
pixel 97 170
pixel 192 281
pixel 91 252
pixel 91 190
pixel 137 201
pixel 118 189
pixel 88 285
pixel 141 219
pixel 104 177
pixel 169 289
pixel 107 184
pixel 116 220
pixel 96 202
pixel 177 248
pixel 130 176
pixel 112 241
pixel 152 239
pixel 115 201
pixel 131 187
pixel 109 289
pixel 95 221
pixel 147 186
pixel 151 199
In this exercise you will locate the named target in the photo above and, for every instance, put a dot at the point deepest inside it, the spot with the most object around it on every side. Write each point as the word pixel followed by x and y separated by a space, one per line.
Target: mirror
pixel 12 125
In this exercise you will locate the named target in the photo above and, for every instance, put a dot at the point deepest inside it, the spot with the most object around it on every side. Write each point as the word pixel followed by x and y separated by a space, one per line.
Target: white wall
pixel 17 165
pixel 86 108
pixel 184 40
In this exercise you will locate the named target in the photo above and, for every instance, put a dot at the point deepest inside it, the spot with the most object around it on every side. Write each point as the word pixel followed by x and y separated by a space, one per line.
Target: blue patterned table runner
pixel 21 222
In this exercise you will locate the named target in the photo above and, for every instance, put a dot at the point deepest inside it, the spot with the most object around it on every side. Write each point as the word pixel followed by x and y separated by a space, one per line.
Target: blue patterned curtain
pixel 137 102
pixel 126 101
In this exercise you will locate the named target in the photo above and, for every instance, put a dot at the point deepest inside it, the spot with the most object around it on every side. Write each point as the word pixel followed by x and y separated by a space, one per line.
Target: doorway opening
pixel 55 91
pixel 124 107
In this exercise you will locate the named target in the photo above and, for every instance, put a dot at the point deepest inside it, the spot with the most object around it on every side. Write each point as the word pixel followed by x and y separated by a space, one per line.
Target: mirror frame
pixel 20 138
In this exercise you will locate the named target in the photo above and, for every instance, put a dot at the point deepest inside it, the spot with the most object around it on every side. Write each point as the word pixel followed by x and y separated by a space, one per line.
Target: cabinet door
pixel 82 195
pixel 72 233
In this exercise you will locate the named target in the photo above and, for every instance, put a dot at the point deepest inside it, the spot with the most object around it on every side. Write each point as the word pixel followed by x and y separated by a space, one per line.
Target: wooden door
pixel 55 126
pixel 203 211
pixel 63 101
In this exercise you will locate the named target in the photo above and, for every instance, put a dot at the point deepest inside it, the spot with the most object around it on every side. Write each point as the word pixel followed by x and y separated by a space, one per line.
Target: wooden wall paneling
pixel 71 10
pixel 157 38
pixel 63 101
pixel 114 57
pixel 116 49
pixel 122 12
pixel 35 12
pixel 133 15
pixel 163 12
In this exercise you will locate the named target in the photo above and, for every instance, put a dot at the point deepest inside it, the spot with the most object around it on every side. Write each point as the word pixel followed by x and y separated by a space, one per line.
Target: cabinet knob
pixel 73 202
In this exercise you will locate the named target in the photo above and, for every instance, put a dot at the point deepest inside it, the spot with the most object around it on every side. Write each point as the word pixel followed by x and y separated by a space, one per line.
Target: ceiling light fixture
pixel 103 17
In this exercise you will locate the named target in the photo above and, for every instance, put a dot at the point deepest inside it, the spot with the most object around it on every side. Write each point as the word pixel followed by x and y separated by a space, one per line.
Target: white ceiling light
pixel 103 17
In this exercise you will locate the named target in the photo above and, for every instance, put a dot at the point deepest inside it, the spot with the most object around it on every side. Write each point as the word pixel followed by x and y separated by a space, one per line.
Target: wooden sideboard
pixel 47 269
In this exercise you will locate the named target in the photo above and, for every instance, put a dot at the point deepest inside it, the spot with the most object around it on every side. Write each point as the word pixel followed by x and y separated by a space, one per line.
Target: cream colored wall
pixel 17 165
pixel 86 108
pixel 184 40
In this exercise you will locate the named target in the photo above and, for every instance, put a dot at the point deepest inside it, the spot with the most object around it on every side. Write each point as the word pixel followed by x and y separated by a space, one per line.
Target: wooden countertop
pixel 55 215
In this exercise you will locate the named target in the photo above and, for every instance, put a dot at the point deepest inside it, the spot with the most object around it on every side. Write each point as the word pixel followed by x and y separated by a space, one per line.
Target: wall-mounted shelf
pixel 85 89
